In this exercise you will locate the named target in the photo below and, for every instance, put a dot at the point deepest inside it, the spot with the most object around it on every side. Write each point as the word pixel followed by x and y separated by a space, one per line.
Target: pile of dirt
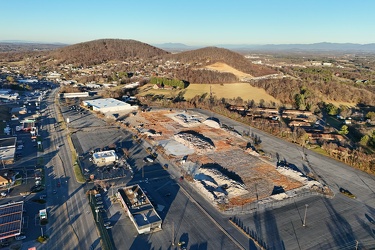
pixel 196 141
pixel 217 186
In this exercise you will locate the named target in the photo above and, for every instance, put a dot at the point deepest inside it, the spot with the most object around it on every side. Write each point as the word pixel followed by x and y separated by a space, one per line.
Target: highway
pixel 71 224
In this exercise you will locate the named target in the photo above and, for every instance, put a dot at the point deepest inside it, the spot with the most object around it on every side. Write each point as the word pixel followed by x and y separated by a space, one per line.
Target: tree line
pixel 169 82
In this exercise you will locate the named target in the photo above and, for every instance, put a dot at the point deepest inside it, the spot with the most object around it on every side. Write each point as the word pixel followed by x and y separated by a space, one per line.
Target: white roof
pixel 106 103
pixel 104 154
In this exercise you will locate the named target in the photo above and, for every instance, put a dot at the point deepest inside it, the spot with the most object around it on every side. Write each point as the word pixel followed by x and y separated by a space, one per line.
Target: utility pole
pixel 304 218
pixel 212 112
pixel 172 233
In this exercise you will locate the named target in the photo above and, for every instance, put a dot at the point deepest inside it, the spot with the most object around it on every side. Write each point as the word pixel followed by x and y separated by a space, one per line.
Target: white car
pixel 20 237
pixel 3 194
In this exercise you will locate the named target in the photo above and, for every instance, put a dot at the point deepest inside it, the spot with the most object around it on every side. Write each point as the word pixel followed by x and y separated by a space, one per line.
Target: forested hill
pixel 210 55
pixel 103 50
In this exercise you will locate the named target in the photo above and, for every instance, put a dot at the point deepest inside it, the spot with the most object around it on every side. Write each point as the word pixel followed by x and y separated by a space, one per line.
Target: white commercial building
pixel 74 95
pixel 108 105
pixel 139 209
pixel 104 157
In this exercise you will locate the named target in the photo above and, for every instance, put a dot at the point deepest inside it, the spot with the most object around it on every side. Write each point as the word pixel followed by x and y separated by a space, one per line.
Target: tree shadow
pixel 199 246
pixel 140 242
pixel 184 239
pixel 341 231
pixel 271 230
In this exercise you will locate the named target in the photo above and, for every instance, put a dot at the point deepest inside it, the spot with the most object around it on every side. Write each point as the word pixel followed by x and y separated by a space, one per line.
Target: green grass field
pixel 230 90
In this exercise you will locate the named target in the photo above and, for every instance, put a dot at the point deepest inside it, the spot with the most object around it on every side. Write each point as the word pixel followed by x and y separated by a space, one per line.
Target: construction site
pixel 222 164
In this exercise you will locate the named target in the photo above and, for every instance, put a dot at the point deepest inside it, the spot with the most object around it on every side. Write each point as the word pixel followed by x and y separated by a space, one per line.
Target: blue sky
pixel 192 22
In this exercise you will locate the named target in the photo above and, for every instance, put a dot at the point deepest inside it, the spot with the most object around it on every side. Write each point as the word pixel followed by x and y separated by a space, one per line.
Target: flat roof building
pixel 7 149
pixel 139 209
pixel 108 105
pixel 104 157
pixel 75 95
pixel 11 219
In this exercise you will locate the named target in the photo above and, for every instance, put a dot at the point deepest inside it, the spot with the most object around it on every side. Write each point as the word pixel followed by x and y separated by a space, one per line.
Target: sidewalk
pixel 30 244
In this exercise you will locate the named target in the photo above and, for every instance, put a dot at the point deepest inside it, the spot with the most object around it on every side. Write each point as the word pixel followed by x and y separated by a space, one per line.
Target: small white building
pixel 104 157
pixel 108 105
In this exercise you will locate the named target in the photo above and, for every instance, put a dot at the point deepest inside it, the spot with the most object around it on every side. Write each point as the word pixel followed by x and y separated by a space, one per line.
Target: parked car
pixel 99 202
pixel 107 224
pixel 148 159
pixel 20 237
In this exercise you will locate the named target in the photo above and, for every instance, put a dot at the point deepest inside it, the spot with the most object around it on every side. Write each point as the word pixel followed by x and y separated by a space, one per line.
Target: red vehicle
pixel 58 184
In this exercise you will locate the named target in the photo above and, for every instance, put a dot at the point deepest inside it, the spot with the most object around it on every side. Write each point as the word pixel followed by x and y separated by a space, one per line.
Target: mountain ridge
pixel 178 47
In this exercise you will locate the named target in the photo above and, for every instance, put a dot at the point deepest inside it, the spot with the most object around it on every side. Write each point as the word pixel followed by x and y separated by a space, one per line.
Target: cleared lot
pixel 223 165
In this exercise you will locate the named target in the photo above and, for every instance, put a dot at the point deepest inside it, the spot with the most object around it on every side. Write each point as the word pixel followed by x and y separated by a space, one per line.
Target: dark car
pixel 347 193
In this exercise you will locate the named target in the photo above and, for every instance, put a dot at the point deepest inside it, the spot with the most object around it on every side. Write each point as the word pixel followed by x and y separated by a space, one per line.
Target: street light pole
pixel 304 218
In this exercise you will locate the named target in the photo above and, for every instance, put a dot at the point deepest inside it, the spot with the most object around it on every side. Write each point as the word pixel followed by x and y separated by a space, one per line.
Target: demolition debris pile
pixel 196 141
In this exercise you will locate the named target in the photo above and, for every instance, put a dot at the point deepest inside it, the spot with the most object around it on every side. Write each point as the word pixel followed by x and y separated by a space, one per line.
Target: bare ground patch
pixel 223 67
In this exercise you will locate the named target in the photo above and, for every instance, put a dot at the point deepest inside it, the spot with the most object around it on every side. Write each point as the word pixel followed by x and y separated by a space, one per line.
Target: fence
pixel 265 204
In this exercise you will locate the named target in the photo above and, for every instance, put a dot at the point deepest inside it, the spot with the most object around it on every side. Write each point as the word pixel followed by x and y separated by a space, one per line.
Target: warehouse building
pixel 108 105
pixel 104 157
pixel 75 95
pixel 139 209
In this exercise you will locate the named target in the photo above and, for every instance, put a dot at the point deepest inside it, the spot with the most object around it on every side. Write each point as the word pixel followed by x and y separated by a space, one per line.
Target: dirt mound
pixel 196 141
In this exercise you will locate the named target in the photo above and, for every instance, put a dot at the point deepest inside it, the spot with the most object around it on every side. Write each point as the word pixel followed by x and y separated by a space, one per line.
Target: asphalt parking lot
pixel 80 118
pixel 183 221
pixel 87 141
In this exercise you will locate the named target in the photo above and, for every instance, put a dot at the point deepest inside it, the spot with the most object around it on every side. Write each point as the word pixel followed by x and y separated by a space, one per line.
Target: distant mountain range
pixel 22 46
pixel 176 47
pixel 319 47
pixel 14 45
pixel 31 42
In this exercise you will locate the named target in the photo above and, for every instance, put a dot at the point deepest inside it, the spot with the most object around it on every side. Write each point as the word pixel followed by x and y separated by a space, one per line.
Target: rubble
pixel 242 176
pixel 217 186
pixel 196 141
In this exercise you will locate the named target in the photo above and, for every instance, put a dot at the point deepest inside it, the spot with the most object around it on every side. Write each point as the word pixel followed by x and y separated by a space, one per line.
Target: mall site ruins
pixel 222 164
